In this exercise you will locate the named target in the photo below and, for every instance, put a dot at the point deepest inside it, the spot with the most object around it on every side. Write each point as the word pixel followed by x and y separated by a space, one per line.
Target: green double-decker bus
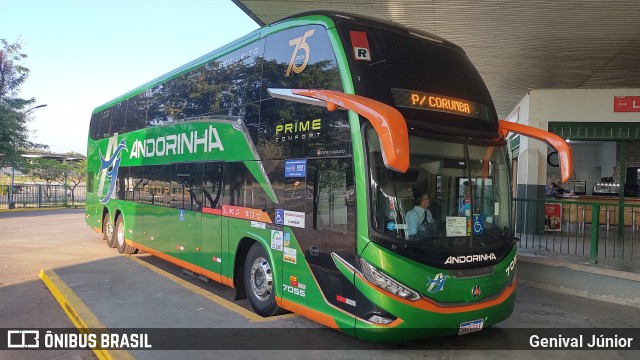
pixel 344 168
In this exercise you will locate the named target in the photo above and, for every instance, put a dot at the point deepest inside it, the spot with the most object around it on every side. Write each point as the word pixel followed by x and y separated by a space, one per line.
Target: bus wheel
pixel 259 283
pixel 122 246
pixel 107 231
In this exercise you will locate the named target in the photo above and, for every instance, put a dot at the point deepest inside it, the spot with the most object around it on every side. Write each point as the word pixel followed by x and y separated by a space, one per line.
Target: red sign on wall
pixel 626 104
pixel 552 217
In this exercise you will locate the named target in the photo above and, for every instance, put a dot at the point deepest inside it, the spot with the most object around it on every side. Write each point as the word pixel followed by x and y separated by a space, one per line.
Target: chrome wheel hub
pixel 261 279
pixel 120 234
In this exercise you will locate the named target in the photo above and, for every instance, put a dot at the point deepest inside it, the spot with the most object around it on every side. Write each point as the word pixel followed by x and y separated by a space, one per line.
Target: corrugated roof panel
pixel 515 44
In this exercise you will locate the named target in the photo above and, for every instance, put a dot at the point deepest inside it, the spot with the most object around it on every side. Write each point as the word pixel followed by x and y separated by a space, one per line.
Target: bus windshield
pixel 454 198
pixel 403 69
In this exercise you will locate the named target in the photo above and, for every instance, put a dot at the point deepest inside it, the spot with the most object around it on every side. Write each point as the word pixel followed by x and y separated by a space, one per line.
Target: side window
pixel 235 78
pixel 301 58
pixel 122 186
pixel 135 185
pixel 105 124
pixel 212 185
pixel 118 117
pixel 238 185
pixel 249 184
pixel 249 117
pixel 156 114
pixel 184 97
pixel 94 126
pixel 136 112
pixel 333 194
pixel 186 187
pixel 157 185
pixel 90 176
pixel 145 190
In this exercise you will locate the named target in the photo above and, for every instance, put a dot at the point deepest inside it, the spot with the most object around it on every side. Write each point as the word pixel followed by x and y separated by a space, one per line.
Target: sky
pixel 82 54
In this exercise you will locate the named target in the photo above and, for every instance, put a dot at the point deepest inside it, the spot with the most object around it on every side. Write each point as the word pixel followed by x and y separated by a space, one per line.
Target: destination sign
pixel 434 102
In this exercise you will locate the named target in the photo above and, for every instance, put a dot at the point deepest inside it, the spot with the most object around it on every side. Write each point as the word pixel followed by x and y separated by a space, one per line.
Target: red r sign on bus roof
pixel 360 45
pixel 626 104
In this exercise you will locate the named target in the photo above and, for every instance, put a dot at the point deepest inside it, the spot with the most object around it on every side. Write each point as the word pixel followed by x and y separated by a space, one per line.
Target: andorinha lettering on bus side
pixel 177 144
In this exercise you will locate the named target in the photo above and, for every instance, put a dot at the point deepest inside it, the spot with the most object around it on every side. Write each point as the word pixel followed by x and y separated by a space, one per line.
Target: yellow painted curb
pixel 79 314
pixel 251 316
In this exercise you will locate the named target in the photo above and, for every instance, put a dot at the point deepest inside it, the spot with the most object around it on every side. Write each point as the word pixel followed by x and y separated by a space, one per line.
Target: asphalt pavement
pixel 61 241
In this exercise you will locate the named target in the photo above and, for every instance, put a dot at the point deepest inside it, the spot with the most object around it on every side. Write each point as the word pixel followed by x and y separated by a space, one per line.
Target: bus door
pixel 155 192
pixel 185 216
pixel 324 198
pixel 129 187
pixel 211 231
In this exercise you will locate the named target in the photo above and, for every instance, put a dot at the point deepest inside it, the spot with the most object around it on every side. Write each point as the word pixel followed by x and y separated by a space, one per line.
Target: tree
pixel 14 135
pixel 76 173
pixel 48 170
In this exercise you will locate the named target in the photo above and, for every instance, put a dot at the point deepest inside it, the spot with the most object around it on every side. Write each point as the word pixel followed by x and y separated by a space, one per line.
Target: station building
pixel 603 129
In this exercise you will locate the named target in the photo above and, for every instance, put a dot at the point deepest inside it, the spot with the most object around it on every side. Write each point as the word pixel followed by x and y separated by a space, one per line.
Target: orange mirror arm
pixel 386 120
pixel 555 141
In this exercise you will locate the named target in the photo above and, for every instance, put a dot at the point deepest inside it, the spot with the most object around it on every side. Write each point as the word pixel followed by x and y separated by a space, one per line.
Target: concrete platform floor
pixel 161 296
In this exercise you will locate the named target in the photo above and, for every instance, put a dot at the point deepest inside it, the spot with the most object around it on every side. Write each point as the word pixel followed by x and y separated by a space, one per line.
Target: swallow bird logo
pixel 437 283
pixel 109 166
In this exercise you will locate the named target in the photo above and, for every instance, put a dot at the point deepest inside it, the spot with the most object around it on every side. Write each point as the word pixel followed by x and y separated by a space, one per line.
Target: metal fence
pixel 40 196
pixel 596 231
pixel 542 225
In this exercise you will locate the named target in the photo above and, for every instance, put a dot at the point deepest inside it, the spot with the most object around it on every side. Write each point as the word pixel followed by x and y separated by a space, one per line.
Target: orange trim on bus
pixel 386 120
pixel 240 212
pixel 212 211
pixel 314 315
pixel 196 269
pixel 428 305
pixel 558 143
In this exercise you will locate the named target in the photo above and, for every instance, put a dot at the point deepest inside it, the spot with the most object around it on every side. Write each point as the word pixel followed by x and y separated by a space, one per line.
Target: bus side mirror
pixel 555 141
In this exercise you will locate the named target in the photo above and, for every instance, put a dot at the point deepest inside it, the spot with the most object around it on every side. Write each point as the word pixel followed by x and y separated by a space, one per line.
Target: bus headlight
pixel 386 283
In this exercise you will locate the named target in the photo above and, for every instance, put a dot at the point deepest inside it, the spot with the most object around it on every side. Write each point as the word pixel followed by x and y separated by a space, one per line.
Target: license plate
pixel 470 326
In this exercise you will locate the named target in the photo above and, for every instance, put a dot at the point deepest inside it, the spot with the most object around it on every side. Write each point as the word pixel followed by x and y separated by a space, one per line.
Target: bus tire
pixel 118 233
pixel 259 282
pixel 107 232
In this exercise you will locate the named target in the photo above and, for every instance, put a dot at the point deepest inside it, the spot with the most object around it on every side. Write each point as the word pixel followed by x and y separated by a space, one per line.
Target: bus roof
pixel 326 18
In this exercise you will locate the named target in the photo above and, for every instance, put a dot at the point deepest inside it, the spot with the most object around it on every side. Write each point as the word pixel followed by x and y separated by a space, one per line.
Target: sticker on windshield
pixel 478 225
pixel 456 226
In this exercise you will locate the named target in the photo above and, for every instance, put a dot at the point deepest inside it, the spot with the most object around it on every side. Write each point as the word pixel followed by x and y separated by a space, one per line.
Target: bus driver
pixel 418 218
